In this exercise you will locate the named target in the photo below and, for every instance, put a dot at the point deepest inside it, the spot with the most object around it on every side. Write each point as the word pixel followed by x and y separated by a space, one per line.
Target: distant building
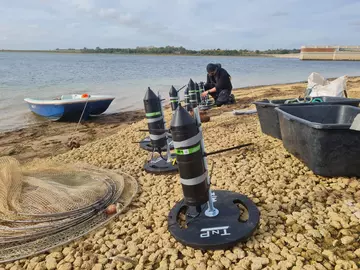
pixel 351 53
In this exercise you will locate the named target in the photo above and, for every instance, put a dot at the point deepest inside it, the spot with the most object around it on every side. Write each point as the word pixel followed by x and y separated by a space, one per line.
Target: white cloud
pixel 280 13
pixel 195 24
pixel 72 25
pixel 355 23
pixel 108 12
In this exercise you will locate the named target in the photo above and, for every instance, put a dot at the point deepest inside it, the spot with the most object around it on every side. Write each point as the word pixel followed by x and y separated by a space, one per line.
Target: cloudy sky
pixel 194 24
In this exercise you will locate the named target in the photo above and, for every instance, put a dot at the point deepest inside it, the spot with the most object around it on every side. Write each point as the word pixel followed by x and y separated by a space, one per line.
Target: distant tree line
pixel 182 51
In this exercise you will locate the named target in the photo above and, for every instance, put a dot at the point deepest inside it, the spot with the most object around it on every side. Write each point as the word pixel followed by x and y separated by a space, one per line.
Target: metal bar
pixel 148 130
pixel 211 211
pixel 227 149
pixel 167 137
pixel 181 88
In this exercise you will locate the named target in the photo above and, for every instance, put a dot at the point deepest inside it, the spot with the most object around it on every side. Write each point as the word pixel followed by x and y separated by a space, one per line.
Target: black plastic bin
pixel 268 117
pixel 320 136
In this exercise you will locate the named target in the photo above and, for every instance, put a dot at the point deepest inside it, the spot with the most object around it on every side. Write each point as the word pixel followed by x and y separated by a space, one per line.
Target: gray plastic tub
pixel 268 117
pixel 320 136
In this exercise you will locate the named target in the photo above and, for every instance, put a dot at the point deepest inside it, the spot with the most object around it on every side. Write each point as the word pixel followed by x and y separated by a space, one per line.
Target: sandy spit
pixel 288 55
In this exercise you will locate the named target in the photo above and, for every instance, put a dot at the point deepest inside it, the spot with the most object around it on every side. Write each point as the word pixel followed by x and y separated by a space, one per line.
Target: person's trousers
pixel 221 97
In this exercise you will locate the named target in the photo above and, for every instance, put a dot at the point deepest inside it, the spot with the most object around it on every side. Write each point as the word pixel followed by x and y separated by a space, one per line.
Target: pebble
pixel 78 262
pixel 57 255
pixel 274 248
pixel 244 263
pixel 97 266
pixel 225 262
pixel 65 266
pixel 16 267
pixel 231 256
pixel 357 252
pixel 51 263
pixel 346 240
pixel 275 257
pixel 239 253
pixel 41 266
pixel 256 266
pixel 87 265
pixel 330 255
pixel 67 250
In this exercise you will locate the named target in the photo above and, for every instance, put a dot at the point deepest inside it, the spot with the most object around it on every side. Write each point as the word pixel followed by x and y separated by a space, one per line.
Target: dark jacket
pixel 221 80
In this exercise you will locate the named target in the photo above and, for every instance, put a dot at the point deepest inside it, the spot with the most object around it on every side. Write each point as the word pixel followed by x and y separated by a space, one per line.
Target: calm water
pixel 46 75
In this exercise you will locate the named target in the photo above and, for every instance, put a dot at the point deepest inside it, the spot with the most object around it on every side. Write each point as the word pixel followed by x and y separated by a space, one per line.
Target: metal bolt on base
pixel 211 211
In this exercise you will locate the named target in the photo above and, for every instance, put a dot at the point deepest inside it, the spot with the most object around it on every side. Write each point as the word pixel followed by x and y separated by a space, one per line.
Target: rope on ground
pixel 72 141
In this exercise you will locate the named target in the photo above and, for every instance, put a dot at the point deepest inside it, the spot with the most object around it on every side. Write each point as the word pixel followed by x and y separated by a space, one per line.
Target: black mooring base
pixel 205 107
pixel 146 144
pixel 159 166
pixel 213 233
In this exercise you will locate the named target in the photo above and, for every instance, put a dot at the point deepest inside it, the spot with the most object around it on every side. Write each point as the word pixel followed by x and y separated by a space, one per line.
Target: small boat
pixel 70 107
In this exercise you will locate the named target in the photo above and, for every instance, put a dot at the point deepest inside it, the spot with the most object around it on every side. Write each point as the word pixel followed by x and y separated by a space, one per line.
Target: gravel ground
pixel 307 221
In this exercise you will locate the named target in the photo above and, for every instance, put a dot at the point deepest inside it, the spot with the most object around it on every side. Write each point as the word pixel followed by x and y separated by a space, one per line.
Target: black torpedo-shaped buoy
pixel 174 98
pixel 153 112
pixel 192 94
pixel 205 103
pixel 187 99
pixel 158 135
pixel 205 219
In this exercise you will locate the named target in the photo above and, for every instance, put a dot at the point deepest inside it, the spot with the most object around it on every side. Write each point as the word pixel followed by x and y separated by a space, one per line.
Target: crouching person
pixel 218 85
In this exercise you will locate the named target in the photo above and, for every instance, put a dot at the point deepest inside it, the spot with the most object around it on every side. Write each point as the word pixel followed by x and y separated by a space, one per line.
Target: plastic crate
pixel 268 117
pixel 320 136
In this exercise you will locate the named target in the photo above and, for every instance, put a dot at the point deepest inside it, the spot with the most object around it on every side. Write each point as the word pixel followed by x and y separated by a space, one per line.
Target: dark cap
pixel 211 67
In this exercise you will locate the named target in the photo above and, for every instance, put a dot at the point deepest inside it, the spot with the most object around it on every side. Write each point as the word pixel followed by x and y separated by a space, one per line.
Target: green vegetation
pixel 168 50
pixel 45 51
pixel 182 51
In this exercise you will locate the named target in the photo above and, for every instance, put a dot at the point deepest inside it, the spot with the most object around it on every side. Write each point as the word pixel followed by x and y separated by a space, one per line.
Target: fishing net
pixel 45 204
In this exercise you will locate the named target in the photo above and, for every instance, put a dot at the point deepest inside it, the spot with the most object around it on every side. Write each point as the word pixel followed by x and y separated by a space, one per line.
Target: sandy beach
pixel 307 221
pixel 288 55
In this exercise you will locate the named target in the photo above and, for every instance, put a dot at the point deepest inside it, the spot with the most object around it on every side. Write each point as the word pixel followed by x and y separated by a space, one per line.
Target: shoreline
pixel 307 221
pixel 51 138
pixel 288 55
pixel 168 104
pixel 129 111
pixel 153 54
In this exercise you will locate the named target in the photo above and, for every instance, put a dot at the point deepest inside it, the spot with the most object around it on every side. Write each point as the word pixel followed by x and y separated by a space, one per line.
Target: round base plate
pixel 237 220
pixel 159 166
pixel 146 144
pixel 205 107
